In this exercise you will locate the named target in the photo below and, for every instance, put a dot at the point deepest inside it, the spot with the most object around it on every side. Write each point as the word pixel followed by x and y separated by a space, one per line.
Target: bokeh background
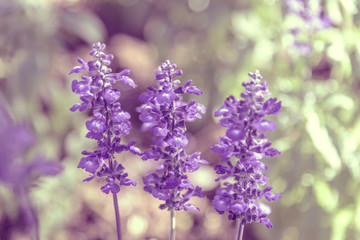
pixel 216 43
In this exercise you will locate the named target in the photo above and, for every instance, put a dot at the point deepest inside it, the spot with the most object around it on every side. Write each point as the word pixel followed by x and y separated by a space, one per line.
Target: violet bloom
pixel 109 122
pixel 310 19
pixel 241 151
pixel 19 173
pixel 15 141
pixel 164 114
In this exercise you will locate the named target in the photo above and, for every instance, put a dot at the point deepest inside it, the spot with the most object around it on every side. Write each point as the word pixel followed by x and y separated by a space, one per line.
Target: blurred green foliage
pixel 216 43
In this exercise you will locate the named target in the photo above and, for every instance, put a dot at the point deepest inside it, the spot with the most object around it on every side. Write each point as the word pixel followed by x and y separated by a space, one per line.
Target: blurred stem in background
pixel 117 215
pixel 30 216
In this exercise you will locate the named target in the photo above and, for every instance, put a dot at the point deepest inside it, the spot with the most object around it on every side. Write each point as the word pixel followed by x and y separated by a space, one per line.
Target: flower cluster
pixel 241 151
pixel 109 123
pixel 17 171
pixel 309 19
pixel 164 114
pixel 15 141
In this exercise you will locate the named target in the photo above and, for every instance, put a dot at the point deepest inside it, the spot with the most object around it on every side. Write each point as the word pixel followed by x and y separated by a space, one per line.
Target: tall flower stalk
pixel 17 171
pixel 109 122
pixel 164 114
pixel 242 149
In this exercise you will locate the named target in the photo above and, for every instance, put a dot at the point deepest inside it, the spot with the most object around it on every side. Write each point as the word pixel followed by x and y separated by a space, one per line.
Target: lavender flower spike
pixel 164 114
pixel 241 151
pixel 17 171
pixel 109 122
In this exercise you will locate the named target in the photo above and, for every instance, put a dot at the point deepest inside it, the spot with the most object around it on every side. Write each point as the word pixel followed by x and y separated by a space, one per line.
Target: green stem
pixel 172 224
pixel 239 230
pixel 117 215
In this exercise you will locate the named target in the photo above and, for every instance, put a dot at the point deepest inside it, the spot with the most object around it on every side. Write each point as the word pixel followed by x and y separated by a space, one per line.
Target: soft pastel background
pixel 216 43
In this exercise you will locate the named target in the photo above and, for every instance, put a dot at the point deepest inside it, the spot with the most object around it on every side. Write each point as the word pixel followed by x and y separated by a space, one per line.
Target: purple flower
pixel 15 141
pixel 310 19
pixel 109 122
pixel 164 114
pixel 241 151
pixel 17 171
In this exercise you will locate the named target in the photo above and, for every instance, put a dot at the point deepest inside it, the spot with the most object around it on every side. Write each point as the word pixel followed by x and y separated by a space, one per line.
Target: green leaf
pixel 84 25
pixel 334 11
pixel 321 139
pixel 341 222
pixel 349 6
pixel 326 197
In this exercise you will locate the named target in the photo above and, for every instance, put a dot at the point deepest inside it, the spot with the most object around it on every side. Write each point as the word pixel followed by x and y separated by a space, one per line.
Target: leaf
pixel 341 222
pixel 326 197
pixel 349 6
pixel 334 12
pixel 84 25
pixel 321 139
pixel 340 100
